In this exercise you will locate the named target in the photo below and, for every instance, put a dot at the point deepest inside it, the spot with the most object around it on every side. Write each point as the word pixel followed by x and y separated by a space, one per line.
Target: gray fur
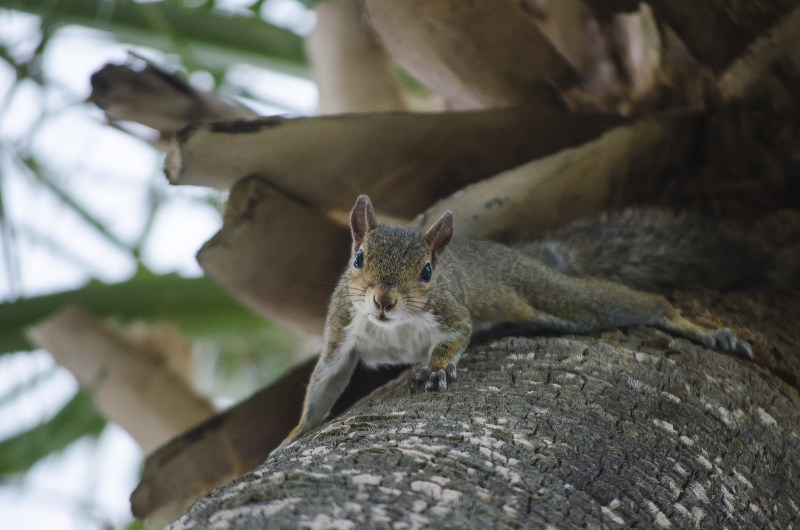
pixel 654 250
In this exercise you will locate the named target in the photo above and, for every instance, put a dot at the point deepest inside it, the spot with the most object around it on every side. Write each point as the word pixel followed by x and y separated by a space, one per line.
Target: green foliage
pixel 137 524
pixel 77 419
pixel 204 38
pixel 196 305
pixel 213 37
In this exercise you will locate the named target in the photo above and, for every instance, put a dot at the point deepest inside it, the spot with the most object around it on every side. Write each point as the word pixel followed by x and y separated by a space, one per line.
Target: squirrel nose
pixel 385 303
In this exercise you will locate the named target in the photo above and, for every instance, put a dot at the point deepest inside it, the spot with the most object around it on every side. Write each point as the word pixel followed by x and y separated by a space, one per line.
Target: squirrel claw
pixel 423 375
pixel 436 381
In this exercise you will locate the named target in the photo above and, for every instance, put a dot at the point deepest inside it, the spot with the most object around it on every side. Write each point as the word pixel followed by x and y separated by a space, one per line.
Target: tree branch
pixel 412 160
pixel 521 204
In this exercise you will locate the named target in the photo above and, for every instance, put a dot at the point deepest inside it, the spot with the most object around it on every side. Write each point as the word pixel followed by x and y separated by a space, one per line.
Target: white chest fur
pixel 410 341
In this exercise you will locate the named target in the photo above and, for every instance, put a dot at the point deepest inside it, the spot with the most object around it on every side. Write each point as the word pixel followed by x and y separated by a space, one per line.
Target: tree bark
pixel 351 68
pixel 413 158
pixel 475 55
pixel 628 429
pixel 704 26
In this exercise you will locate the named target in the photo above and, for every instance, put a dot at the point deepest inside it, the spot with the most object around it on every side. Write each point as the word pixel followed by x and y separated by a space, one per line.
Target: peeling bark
pixel 132 380
pixel 776 45
pixel 716 31
pixel 523 203
pixel 158 99
pixel 704 26
pixel 563 22
pixel 351 69
pixel 405 161
pixel 255 256
pixel 641 49
pixel 476 54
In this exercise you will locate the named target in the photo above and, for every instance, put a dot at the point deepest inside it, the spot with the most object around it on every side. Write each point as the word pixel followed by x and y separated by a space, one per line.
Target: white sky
pixel 110 174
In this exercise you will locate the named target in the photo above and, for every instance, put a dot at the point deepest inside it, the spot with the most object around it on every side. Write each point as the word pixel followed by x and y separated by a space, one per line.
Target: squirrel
pixel 413 298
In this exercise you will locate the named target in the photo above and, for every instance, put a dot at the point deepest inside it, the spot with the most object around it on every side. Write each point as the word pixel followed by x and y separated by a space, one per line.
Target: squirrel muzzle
pixel 383 302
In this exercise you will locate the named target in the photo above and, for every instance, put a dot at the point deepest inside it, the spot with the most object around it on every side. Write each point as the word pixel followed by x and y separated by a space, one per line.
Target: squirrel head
pixel 393 268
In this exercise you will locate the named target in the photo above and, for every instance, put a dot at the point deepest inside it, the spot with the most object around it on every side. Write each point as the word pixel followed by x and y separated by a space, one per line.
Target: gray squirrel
pixel 413 298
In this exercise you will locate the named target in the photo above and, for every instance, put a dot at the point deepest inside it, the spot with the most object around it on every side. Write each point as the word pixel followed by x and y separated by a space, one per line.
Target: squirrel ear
pixel 439 235
pixel 362 219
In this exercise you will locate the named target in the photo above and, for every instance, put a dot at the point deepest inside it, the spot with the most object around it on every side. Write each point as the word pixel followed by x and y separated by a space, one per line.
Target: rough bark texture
pixel 622 429
pixel 229 444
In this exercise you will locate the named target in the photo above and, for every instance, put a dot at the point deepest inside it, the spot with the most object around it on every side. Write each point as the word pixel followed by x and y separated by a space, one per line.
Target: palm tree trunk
pixel 631 428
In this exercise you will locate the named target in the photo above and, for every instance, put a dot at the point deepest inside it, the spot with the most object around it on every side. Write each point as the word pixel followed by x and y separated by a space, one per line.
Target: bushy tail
pixel 655 250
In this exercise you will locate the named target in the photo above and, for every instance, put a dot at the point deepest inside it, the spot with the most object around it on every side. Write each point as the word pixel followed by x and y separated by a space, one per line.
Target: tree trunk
pixel 628 429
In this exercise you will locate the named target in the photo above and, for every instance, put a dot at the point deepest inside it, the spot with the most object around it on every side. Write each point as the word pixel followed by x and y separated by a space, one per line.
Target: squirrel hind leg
pixel 722 339
pixel 729 342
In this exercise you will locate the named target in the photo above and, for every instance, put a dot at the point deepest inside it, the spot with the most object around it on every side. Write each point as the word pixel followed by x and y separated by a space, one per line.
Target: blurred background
pixel 85 210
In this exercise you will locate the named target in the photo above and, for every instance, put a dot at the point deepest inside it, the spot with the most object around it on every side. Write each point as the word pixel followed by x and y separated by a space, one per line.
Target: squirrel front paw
pixel 436 381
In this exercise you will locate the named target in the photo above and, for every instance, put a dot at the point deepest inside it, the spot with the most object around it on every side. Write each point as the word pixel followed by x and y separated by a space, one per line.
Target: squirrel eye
pixel 425 276
pixel 359 261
